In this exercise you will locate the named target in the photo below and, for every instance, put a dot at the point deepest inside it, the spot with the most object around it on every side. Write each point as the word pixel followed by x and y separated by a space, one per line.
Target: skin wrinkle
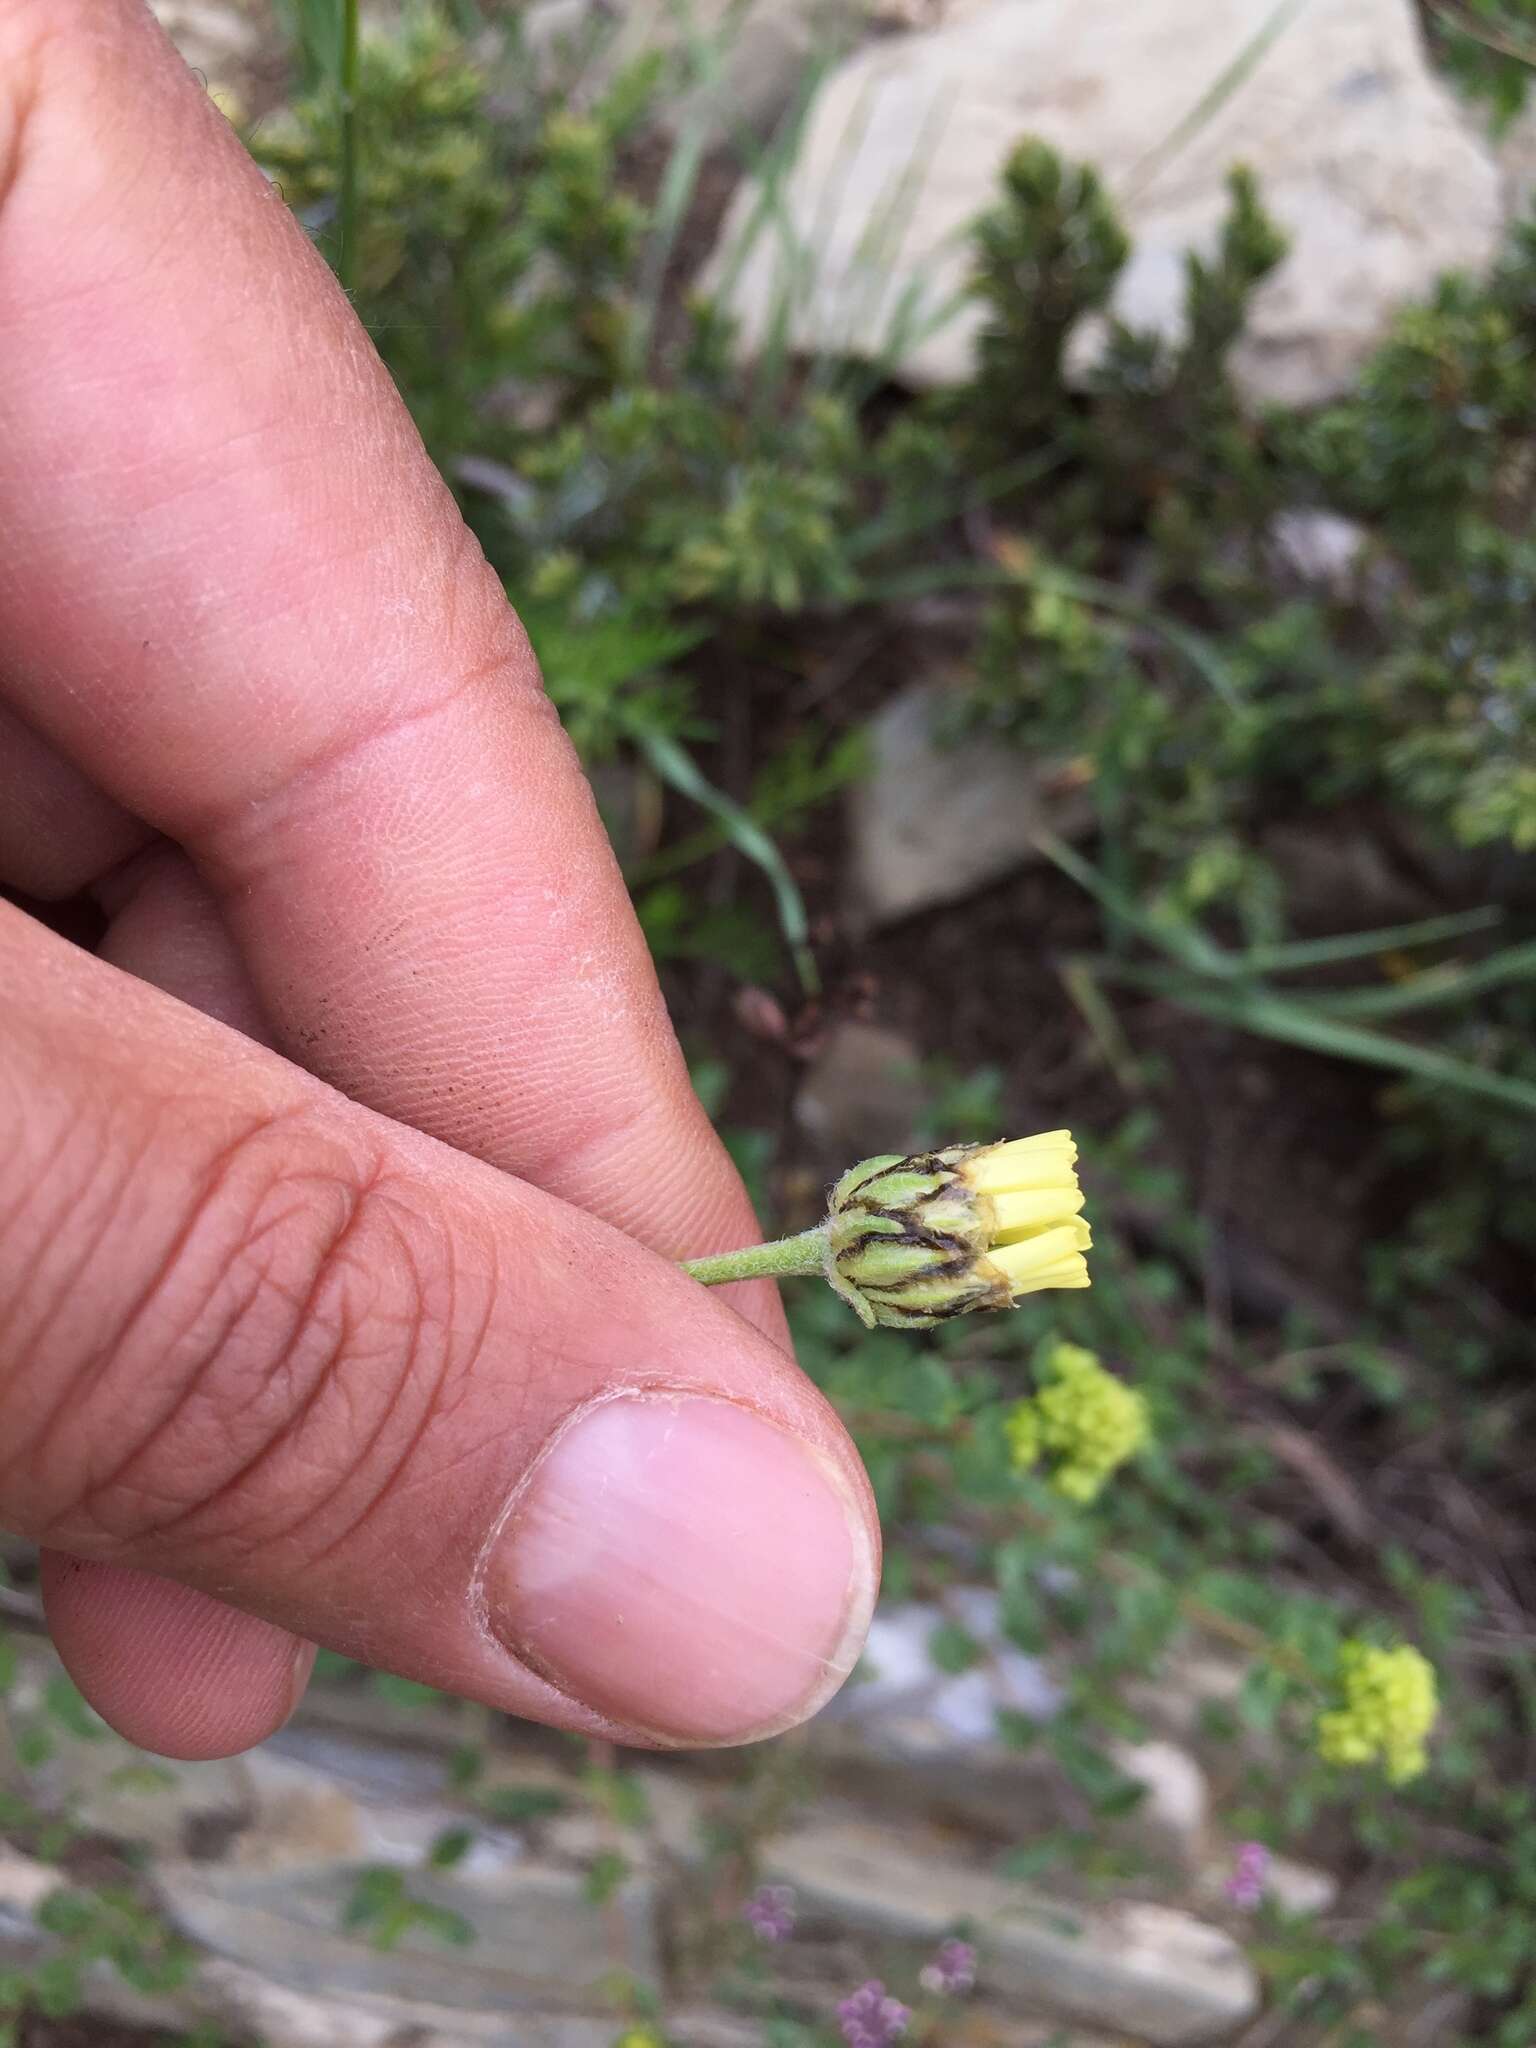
pixel 30 1450
pixel 348 1366
pixel 431 1405
pixel 58 833
pixel 231 867
pixel 325 1309
pixel 261 1282
pixel 85 1515
pixel 20 80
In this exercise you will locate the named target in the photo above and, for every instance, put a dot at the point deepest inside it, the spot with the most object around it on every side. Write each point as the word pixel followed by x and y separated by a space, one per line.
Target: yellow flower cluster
pixel 1390 1703
pixel 639 2037
pixel 1085 1419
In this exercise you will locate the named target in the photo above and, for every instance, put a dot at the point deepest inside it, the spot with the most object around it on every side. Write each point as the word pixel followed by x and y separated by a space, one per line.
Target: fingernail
pixel 304 1655
pixel 685 1567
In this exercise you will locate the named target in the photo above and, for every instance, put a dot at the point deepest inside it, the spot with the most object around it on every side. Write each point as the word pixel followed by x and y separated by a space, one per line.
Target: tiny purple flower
pixel 871 2020
pixel 952 1972
pixel 1250 1873
pixel 770 1912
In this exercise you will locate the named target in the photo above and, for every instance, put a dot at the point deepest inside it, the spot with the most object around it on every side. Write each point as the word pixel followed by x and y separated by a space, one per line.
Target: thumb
pixel 268 1344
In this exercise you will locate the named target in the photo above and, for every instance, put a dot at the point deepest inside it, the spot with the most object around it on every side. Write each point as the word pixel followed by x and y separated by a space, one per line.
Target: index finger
pixel 236 592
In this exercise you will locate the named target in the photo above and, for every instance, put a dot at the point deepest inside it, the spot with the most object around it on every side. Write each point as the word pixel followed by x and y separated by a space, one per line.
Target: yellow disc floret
pixel 1390 1704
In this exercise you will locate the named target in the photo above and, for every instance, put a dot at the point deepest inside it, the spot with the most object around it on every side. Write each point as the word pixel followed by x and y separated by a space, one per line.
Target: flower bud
pixel 914 1240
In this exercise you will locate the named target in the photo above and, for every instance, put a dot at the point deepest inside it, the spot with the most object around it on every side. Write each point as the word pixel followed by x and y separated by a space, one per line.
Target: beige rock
pixel 749 56
pixel 538 1945
pixel 1300 1887
pixel 248 2004
pixel 932 821
pixel 226 42
pixel 1154 1971
pixel 24 1882
pixel 1176 1801
pixel 863 1092
pixel 1361 153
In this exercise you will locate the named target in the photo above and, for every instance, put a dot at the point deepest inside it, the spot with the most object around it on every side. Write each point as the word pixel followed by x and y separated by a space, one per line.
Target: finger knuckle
pixel 283 1353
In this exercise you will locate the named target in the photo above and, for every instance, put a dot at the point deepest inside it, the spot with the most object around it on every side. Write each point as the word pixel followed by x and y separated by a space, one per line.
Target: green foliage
pixel 1161 1564
pixel 84 1926
pixel 605 1873
pixel 1047 254
pixel 383 1907
pixel 1489 48
pixel 647 500
pixel 1206 718
pixel 517 1805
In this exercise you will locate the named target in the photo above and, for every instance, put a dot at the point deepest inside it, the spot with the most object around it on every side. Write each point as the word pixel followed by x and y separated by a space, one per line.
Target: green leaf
pixel 677 767
pixel 69 1709
pixel 465 1765
pixel 1295 1023
pixel 605 1873
pixel 1330 952
pixel 1452 983
pixel 34 1744
pixel 1034 1859
pixel 621 1796
pixel 516 1805
pixel 952 1648
pixel 403 1692
pixel 376 1891
pixel 141 1777
pixel 443 1923
pixel 56 1986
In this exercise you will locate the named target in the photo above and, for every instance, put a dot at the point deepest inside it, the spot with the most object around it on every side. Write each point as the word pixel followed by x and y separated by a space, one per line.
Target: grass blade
pixel 1295 1023
pixel 1428 931
pixel 1448 984
pixel 1232 78
pixel 1184 942
pixel 677 768
pixel 1195 648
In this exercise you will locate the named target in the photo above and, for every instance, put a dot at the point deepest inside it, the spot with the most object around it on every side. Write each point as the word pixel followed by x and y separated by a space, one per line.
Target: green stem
pixel 346 261
pixel 806 1253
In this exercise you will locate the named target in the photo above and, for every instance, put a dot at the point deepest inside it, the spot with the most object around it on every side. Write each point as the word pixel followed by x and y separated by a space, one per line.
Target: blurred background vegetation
pixel 1250 692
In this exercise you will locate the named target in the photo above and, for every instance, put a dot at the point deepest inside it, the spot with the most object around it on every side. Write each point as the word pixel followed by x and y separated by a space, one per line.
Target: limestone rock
pixel 320 1812
pixel 1157 1972
pixel 1294 1887
pixel 908 1738
pixel 538 1946
pixel 1361 153
pixel 749 59
pixel 24 1883
pixel 932 822
pixel 863 1092
pixel 228 43
pixel 1318 548
pixel 243 2003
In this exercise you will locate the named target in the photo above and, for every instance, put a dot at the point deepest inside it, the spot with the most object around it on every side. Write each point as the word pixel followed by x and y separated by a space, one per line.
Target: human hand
pixel 371 1354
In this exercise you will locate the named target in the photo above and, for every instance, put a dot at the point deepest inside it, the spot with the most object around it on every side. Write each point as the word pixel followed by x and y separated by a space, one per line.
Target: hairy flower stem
pixel 806 1253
